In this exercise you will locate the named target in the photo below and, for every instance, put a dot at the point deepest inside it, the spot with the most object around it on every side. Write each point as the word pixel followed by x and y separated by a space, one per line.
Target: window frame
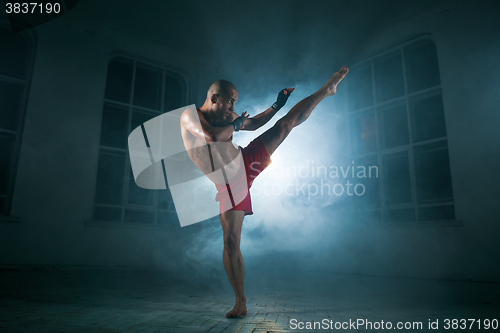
pixel 375 108
pixel 167 71
pixel 30 37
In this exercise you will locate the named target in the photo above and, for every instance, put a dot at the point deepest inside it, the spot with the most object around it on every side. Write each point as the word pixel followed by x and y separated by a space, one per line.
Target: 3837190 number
pixel 32 8
pixel 463 324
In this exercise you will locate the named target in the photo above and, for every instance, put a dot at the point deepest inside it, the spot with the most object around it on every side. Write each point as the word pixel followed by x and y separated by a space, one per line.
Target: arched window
pixel 136 91
pixel 16 59
pixel 396 122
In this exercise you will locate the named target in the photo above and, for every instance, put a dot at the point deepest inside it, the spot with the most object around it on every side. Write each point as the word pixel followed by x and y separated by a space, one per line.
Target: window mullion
pixel 162 97
pixel 413 176
pixel 377 131
pixel 348 122
pixel 156 194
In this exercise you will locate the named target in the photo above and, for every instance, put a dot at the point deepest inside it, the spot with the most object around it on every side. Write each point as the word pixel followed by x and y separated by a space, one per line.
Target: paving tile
pixel 109 302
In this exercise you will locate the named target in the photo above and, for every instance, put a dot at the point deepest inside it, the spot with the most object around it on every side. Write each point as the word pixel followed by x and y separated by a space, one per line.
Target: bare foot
pixel 238 310
pixel 331 85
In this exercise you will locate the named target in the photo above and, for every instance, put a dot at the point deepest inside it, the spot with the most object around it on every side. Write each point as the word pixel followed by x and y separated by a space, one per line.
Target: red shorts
pixel 237 196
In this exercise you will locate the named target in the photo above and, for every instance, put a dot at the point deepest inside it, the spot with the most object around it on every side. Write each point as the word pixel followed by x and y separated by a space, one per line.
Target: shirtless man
pixel 214 124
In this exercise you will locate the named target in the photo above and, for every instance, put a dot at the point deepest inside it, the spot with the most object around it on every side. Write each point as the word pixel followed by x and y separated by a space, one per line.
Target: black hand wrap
pixel 282 98
pixel 238 122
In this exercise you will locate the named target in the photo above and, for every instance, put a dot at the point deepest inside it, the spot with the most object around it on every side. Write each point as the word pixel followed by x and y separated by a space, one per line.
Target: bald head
pixel 221 88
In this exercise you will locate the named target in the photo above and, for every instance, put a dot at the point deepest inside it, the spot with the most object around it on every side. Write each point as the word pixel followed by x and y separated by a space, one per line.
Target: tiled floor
pixel 118 301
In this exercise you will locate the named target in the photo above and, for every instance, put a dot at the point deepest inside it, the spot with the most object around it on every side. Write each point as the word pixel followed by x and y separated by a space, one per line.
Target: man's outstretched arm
pixel 251 124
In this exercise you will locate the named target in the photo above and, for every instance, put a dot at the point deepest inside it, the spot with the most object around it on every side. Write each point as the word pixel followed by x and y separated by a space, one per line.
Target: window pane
pixel 13 54
pixel 137 216
pixel 140 117
pixel 110 176
pixel 363 132
pixel 367 216
pixel 3 203
pixel 389 77
pixel 147 87
pixel 138 195
pixel 427 113
pixel 114 130
pixel 165 200
pixel 6 152
pixel 107 214
pixel 119 80
pixel 394 126
pixel 168 218
pixel 436 213
pixel 400 215
pixel 367 175
pixel 397 185
pixel 433 173
pixel 422 65
pixel 173 94
pixel 360 87
pixel 10 99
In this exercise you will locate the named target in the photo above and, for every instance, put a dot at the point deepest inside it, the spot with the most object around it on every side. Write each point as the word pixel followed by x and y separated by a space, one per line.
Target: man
pixel 214 124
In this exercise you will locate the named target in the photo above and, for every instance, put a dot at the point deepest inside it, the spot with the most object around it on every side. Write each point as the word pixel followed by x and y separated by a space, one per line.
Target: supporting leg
pixel 273 137
pixel 232 222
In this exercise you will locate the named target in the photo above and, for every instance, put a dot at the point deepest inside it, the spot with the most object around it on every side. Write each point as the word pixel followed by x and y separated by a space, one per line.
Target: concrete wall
pixel 55 182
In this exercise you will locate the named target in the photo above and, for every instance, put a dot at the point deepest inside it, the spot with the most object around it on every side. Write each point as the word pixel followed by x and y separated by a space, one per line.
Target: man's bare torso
pixel 214 156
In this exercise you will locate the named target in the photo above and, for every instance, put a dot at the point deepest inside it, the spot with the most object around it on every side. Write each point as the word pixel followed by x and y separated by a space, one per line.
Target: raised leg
pixel 274 136
pixel 232 222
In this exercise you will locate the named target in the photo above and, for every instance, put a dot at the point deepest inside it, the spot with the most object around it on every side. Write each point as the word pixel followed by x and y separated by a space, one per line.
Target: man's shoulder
pixel 191 114
pixel 191 111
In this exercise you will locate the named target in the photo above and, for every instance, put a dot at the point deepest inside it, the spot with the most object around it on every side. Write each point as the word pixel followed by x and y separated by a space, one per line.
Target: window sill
pixel 10 219
pixel 110 224
pixel 423 224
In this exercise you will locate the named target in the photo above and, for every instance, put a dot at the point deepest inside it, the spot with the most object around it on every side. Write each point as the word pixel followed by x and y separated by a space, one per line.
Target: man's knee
pixel 231 241
pixel 284 126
